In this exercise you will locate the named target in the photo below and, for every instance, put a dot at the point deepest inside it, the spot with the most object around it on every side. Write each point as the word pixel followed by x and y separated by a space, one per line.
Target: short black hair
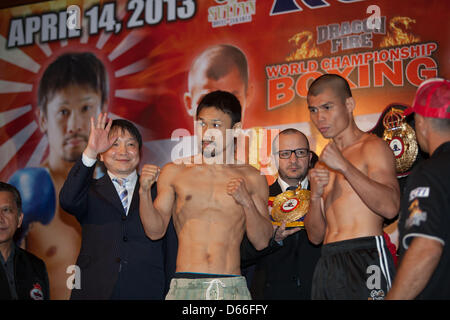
pixel 332 81
pixel 225 102
pixel 16 194
pixel 126 125
pixel 73 68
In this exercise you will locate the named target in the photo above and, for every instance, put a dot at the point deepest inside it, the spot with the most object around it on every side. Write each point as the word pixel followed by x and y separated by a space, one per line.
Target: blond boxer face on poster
pixel 220 67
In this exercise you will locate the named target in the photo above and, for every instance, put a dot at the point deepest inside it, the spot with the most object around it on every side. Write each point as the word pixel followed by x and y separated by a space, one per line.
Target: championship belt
pixel 290 206
pixel 401 138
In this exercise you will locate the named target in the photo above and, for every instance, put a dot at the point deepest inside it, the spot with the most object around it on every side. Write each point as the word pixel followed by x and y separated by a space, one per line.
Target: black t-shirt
pixel 425 212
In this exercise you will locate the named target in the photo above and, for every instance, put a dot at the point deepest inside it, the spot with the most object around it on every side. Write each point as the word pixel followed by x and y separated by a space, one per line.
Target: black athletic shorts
pixel 361 268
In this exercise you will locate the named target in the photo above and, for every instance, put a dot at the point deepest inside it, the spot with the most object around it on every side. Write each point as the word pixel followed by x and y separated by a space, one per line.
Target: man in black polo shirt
pixel 22 275
pixel 424 223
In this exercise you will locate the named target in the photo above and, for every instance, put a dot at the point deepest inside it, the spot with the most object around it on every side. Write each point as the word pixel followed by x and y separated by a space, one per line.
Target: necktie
pixel 291 188
pixel 123 192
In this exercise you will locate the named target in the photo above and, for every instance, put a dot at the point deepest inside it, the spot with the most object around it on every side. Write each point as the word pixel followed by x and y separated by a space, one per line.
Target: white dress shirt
pixel 284 185
pixel 131 179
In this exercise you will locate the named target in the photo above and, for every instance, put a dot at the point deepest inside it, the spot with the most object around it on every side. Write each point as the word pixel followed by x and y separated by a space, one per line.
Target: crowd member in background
pixel 424 223
pixel 22 275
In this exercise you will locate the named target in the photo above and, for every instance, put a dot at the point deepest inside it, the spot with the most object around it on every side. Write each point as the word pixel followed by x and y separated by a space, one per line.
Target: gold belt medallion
pixel 401 139
pixel 291 207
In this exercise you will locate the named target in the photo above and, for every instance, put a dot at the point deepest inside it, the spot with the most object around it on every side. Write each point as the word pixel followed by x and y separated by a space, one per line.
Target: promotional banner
pixel 154 60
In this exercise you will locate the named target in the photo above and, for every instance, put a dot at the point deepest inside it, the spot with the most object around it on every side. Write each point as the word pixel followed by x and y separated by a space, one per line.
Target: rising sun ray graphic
pixel 131 63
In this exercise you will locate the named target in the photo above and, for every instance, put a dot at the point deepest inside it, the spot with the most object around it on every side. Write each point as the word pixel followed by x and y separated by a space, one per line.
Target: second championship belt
pixel 401 138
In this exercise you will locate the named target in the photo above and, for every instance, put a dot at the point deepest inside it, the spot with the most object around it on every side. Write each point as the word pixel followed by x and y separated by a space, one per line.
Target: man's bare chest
pixel 339 186
pixel 205 187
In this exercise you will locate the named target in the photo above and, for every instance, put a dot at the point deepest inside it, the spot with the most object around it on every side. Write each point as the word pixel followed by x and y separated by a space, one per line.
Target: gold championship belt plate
pixel 401 139
pixel 290 206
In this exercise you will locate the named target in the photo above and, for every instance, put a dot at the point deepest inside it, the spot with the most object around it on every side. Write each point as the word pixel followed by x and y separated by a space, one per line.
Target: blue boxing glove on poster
pixel 38 195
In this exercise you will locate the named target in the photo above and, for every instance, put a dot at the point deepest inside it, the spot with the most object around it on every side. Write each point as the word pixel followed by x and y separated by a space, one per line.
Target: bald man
pixel 353 189
pixel 287 273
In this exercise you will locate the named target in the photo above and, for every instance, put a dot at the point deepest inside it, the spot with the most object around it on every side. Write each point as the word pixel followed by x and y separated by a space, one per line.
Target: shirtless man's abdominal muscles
pixel 212 204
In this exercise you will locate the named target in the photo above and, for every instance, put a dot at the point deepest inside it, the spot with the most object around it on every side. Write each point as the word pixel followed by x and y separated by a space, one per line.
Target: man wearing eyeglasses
pixel 287 272
pixel 292 158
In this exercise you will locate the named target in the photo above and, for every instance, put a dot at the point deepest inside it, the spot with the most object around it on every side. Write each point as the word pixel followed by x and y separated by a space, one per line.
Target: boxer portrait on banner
pixel 353 188
pixel 219 67
pixel 72 89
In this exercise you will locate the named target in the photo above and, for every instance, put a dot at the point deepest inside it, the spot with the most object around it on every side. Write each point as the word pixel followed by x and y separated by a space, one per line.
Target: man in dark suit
pixel 117 260
pixel 284 270
pixel 22 275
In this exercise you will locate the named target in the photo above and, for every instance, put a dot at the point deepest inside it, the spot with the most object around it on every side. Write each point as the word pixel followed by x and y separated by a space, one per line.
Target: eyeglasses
pixel 299 153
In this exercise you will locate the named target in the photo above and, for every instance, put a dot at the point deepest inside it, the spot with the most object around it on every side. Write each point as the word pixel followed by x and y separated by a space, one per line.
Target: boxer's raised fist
pixel 319 179
pixel 333 157
pixel 237 189
pixel 149 175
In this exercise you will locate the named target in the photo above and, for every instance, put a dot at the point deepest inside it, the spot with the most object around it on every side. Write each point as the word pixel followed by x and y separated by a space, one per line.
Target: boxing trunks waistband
pixel 352 244
pixel 195 275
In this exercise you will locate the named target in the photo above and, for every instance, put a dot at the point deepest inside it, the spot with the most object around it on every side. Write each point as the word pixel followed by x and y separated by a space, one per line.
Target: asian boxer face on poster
pixel 72 89
pixel 66 121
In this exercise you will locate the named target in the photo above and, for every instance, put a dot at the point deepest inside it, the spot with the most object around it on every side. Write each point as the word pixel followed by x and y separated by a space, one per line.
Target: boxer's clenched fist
pixel 236 188
pixel 333 157
pixel 319 179
pixel 149 175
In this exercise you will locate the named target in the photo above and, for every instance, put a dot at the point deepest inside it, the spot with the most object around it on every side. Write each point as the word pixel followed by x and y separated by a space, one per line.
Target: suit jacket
pixel 284 272
pixel 30 275
pixel 117 260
